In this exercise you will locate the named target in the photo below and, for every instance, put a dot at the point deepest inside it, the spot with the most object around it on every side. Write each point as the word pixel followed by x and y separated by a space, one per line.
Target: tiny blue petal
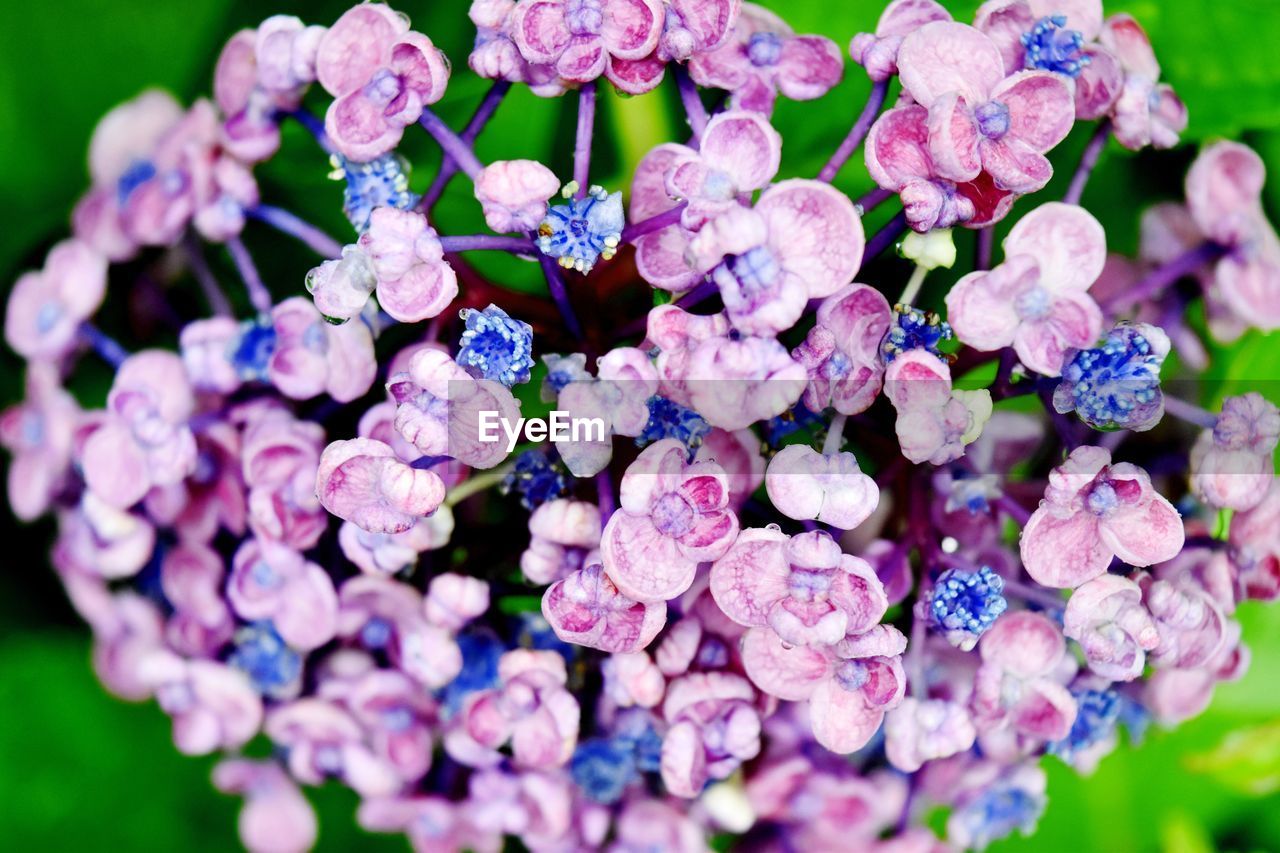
pixel 251 352
pixel 603 769
pixel 496 346
pixel 913 329
pixel 584 230
pixel 1052 47
pixel 1115 385
pixel 537 477
pixel 967 603
pixel 671 420
pixel 262 655
pixel 383 182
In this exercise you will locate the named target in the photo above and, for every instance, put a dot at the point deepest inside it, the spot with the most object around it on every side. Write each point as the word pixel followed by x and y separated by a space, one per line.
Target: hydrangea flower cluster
pixel 804 531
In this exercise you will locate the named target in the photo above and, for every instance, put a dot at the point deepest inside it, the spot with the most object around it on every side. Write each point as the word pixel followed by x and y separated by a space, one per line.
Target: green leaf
pixel 1247 760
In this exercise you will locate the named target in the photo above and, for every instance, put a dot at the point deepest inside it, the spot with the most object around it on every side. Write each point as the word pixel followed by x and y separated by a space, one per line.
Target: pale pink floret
pixel 207 347
pixel 672 516
pixel 842 351
pixel 391 553
pixel 514 194
pixel 1017 684
pixel 397 716
pixel 586 609
pixel 802 587
pixel 259 74
pixel 414 282
pixel 739 454
pixel 38 432
pixel 1191 625
pixel 125 136
pixel 382 614
pixel 1147 112
pixel 314 357
pixel 381 75
pixel 1037 301
pixel 278 461
pixel 271 581
pixel 764 57
pixel 897 156
pixel 1224 197
pixel 98 539
pixel 849 690
pixel 531 710
pixel 322 740
pixel 564 536
pixel 46 308
pixel 364 482
pixel 632 679
pixel 878 52
pixel 831 488
pixel 1255 536
pixel 661 255
pixel 192 576
pixel 276 817
pixel 212 705
pixel 713 728
pixel 803 240
pixel 127 628
pixel 438 409
pixel 584 41
pixel 1232 464
pixel 677 334
pixel 935 423
pixel 738 153
pixel 453 600
pixel 1098 83
pixel 496 56
pixel 979 120
pixel 1106 617
pixel 734 383
pixel 1093 511
pixel 1177 694
pixel 922 730
pixel 143 441
pixel 618 399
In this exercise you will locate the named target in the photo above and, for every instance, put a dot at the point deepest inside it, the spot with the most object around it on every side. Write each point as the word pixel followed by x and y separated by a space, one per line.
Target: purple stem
pixel 857 133
pixel 422 463
pixel 872 200
pixel 604 494
pixel 218 302
pixel 1040 595
pixel 986 247
pixel 1014 510
pixel 693 108
pixel 259 296
pixel 448 167
pixel 315 125
pixel 454 146
pixel 636 230
pixel 284 221
pixel 885 237
pixel 1190 412
pixel 915 650
pixel 1163 276
pixel 582 147
pixel 519 245
pixel 560 293
pixel 104 345
pixel 1088 160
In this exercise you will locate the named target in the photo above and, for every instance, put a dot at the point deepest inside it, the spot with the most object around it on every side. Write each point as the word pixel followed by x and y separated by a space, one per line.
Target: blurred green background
pixel 81 770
